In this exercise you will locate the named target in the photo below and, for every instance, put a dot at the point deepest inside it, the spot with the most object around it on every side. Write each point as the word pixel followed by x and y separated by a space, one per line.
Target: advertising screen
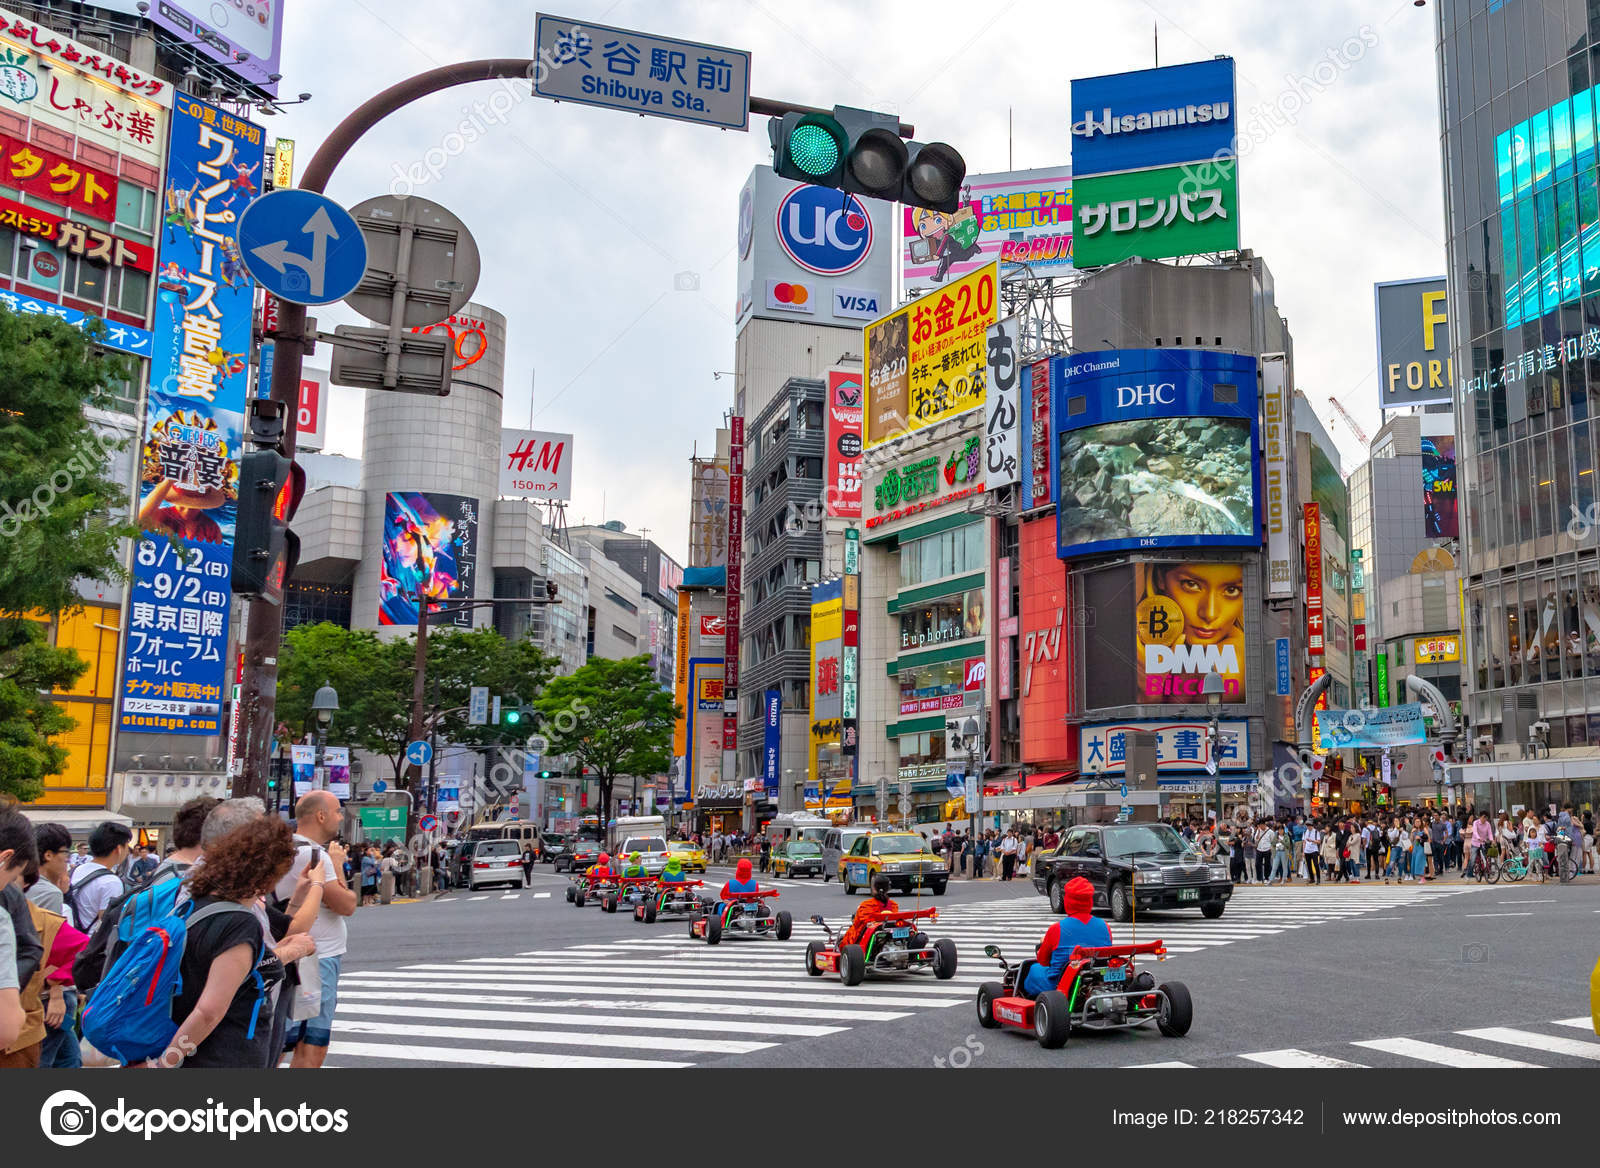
pixel 1188 621
pixel 1157 448
pixel 1439 487
pixel 1016 217
pixel 430 542
pixel 841 461
pixel 244 38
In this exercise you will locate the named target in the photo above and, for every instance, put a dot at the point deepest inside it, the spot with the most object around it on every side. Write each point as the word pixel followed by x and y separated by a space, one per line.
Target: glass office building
pixel 1519 86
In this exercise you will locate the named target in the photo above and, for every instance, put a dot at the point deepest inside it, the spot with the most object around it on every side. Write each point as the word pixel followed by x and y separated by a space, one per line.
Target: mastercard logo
pixel 788 296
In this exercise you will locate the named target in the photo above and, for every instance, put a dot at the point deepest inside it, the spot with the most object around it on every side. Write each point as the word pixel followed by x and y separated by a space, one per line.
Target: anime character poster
pixel 429 542
pixel 1189 620
pixel 175 653
pixel 1439 487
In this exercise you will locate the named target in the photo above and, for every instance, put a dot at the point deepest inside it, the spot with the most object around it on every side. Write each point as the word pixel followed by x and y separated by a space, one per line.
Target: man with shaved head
pixel 317 821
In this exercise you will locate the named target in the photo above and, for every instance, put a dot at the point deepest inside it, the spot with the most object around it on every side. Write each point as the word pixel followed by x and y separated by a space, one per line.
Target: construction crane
pixel 1349 421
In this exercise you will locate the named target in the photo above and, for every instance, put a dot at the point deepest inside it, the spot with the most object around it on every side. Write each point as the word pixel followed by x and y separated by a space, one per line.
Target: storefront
pixel 1539 785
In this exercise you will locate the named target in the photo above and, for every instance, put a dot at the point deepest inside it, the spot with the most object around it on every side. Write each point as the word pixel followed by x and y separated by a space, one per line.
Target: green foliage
pixel 612 718
pixel 58 525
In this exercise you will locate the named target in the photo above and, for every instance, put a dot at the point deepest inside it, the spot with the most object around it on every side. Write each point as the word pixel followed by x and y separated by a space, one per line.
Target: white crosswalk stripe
pixel 660 999
pixel 1483 1047
pixel 1444 1056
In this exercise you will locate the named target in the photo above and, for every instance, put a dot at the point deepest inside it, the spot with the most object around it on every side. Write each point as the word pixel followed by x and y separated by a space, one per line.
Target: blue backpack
pixel 130 1015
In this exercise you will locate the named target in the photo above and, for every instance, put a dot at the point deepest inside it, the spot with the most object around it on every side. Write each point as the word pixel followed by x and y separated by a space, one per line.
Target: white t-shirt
pixel 328 930
pixel 92 892
pixel 1008 846
pixel 1311 839
pixel 1264 840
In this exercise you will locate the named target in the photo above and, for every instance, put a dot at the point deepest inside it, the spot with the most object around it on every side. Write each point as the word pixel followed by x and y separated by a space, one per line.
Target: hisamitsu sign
pixel 639 73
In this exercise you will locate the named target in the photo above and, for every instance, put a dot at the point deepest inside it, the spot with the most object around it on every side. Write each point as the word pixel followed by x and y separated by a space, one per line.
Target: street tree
pixel 62 516
pixel 612 718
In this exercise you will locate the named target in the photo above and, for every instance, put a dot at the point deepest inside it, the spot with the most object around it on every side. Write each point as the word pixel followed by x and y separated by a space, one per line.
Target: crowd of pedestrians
pixel 257 908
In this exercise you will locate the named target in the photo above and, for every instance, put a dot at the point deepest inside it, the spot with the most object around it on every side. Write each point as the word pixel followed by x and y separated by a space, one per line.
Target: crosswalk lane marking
pixel 492 1058
pixel 602 1021
pixel 731 1009
pixel 1552 1043
pixel 637 973
pixel 1162 1066
pixel 541 896
pixel 1447 1056
pixel 1292 1058
pixel 554 1037
pixel 646 989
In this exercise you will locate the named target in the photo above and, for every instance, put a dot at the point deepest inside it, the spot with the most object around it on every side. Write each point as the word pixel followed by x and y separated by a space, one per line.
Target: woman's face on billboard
pixel 1212 599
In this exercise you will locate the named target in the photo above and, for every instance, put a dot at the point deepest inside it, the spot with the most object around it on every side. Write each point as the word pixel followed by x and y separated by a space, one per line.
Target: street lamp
pixel 1212 690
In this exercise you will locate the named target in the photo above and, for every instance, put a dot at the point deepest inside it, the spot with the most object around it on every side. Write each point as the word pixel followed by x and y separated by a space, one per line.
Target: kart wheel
pixel 1212 909
pixel 987 993
pixel 580 899
pixel 571 892
pixel 1121 904
pixel 785 926
pixel 811 958
pixel 852 965
pixel 1177 1010
pixel 944 959
pixel 693 936
pixel 1052 1019
pixel 1058 904
pixel 713 931
pixel 649 912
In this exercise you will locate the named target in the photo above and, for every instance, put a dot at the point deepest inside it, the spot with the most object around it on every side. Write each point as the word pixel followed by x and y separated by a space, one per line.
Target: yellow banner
pixel 283 164
pixel 680 726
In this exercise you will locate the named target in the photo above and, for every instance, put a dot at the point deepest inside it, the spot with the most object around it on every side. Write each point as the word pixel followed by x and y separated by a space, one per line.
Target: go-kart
pixel 892 944
pixel 1100 990
pixel 746 913
pixel 592 890
pixel 671 899
pixel 631 891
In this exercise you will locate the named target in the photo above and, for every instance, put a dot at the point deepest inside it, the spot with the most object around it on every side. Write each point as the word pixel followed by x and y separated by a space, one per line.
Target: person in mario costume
pixel 1079 927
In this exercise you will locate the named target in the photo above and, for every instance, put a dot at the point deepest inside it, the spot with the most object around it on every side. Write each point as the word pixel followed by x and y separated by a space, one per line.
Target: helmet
pixel 605 858
pixel 743 871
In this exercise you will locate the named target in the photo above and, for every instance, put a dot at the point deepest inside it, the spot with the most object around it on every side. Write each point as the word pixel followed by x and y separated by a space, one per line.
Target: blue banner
pixel 125 338
pixel 772 739
pixel 1285 682
pixel 1153 117
pixel 175 670
pixel 1394 726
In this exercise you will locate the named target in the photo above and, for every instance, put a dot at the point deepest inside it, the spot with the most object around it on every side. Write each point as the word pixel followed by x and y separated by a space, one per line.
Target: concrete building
pixel 658 576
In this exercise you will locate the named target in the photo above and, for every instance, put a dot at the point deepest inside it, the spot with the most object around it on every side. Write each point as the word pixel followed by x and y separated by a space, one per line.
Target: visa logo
pixel 856 303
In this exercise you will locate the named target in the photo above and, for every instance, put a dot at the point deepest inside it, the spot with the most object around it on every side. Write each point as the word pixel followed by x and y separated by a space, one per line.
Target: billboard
pixel 1315 631
pixel 244 37
pixel 926 362
pixel 1439 487
pixel 934 477
pixel 174 671
pixel 1188 621
pixel 1157 448
pixel 841 460
pixel 1180 746
pixel 1044 680
pixel 708 513
pixel 1276 507
pixel 1431 650
pixel 811 253
pixel 1004 411
pixel 1156 214
pixel 536 465
pixel 705 733
pixel 1153 117
pixel 1413 325
pixel 430 542
pixel 1016 217
pixel 1400 725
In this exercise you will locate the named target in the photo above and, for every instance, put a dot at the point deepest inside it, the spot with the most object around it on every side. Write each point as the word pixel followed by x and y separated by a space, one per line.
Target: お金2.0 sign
pixel 926 362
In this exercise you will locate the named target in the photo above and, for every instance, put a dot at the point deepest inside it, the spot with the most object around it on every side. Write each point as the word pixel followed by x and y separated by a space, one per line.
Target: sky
pixel 587 218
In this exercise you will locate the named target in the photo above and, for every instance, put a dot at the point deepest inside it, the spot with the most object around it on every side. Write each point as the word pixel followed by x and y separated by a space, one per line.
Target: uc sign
pixel 824 231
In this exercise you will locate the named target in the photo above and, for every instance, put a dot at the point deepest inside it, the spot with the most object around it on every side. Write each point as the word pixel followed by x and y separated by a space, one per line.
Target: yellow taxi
pixel 903 856
pixel 690 854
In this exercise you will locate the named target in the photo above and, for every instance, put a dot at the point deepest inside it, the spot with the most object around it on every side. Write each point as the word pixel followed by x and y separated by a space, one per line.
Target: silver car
pixel 652 851
pixel 495 862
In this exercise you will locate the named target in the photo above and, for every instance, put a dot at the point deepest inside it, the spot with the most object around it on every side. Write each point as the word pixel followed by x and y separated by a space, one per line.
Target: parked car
pixel 1134 867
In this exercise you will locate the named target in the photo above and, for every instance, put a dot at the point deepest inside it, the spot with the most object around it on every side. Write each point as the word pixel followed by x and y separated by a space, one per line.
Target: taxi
pixel 690 854
pixel 901 856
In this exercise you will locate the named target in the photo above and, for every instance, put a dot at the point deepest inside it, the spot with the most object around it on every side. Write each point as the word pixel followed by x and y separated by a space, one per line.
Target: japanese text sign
pixel 1004 372
pixel 57 179
pixel 1168 211
pixel 1180 746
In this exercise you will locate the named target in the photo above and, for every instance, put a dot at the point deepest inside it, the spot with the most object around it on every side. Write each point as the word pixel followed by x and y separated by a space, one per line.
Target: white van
pixel 799 825
pixel 836 843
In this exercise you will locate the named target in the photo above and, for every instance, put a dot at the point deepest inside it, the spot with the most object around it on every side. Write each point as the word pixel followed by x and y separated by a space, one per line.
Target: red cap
pixel 743 871
pixel 1077 898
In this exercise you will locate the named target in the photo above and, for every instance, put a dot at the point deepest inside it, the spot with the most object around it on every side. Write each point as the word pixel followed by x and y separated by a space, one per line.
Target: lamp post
pixel 324 704
pixel 1212 690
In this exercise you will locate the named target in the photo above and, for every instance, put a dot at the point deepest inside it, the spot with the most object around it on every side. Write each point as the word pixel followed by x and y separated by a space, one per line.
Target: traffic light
pixel 861 151
pixel 265 551
pixel 550 774
pixel 513 715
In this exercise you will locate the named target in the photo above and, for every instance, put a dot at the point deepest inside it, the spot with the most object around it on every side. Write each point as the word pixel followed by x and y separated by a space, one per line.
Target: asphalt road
pixel 1375 975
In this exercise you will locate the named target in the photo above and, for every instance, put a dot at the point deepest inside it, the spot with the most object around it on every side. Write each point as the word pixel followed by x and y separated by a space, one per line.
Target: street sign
pixel 441 259
pixel 380 786
pixel 360 360
pixel 638 73
pixel 904 805
pixel 478 706
pixel 302 247
pixel 427 823
pixel 418 752
pixel 1124 790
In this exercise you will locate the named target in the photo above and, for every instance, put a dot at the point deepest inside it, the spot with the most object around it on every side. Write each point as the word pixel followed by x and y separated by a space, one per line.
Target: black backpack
pixel 75 890
pixel 98 955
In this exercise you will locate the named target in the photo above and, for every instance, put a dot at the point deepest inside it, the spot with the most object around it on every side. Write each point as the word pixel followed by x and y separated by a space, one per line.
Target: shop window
pixel 136 208
pixel 8 251
pixel 953 618
pixel 85 280
pixel 133 291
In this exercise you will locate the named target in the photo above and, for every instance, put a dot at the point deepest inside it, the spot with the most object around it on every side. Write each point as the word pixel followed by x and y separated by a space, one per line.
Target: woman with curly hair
pixel 224 1009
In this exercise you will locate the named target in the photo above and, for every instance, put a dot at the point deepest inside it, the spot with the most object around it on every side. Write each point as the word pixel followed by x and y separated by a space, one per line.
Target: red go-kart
pixel 672 899
pixel 744 913
pixel 1100 990
pixel 587 889
pixel 632 891
pixel 893 944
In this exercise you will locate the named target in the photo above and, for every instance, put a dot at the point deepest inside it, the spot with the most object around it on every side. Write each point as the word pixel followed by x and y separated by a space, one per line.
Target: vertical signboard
pixel 680 687
pixel 730 651
pixel 771 740
pixel 1002 412
pixel 1275 486
pixel 1440 519
pixel 430 543
pixel 704 764
pixel 1285 679
pixel 1314 623
pixel 174 672
pixel 841 461
pixel 708 515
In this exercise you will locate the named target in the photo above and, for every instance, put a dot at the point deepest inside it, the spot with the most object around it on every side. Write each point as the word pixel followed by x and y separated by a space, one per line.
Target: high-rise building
pixel 1518 85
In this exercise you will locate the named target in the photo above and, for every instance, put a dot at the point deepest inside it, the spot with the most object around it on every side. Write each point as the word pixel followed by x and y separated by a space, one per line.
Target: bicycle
pixel 1566 868
pixel 1511 864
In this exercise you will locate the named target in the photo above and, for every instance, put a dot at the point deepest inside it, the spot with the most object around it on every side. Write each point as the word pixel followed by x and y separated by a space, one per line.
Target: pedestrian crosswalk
pixel 488 896
pixel 664 1000
pixel 1541 1044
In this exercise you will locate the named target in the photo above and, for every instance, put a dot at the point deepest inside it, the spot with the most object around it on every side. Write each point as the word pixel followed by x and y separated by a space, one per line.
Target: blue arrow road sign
pixel 1124 790
pixel 418 752
pixel 302 246
pixel 380 787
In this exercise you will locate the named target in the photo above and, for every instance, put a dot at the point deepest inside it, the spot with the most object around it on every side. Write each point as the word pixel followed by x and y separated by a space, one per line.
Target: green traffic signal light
pixel 513 717
pixel 814 148
pixel 808 147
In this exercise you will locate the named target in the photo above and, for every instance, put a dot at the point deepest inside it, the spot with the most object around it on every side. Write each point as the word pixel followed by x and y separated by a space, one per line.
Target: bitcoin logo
pixel 1160 621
